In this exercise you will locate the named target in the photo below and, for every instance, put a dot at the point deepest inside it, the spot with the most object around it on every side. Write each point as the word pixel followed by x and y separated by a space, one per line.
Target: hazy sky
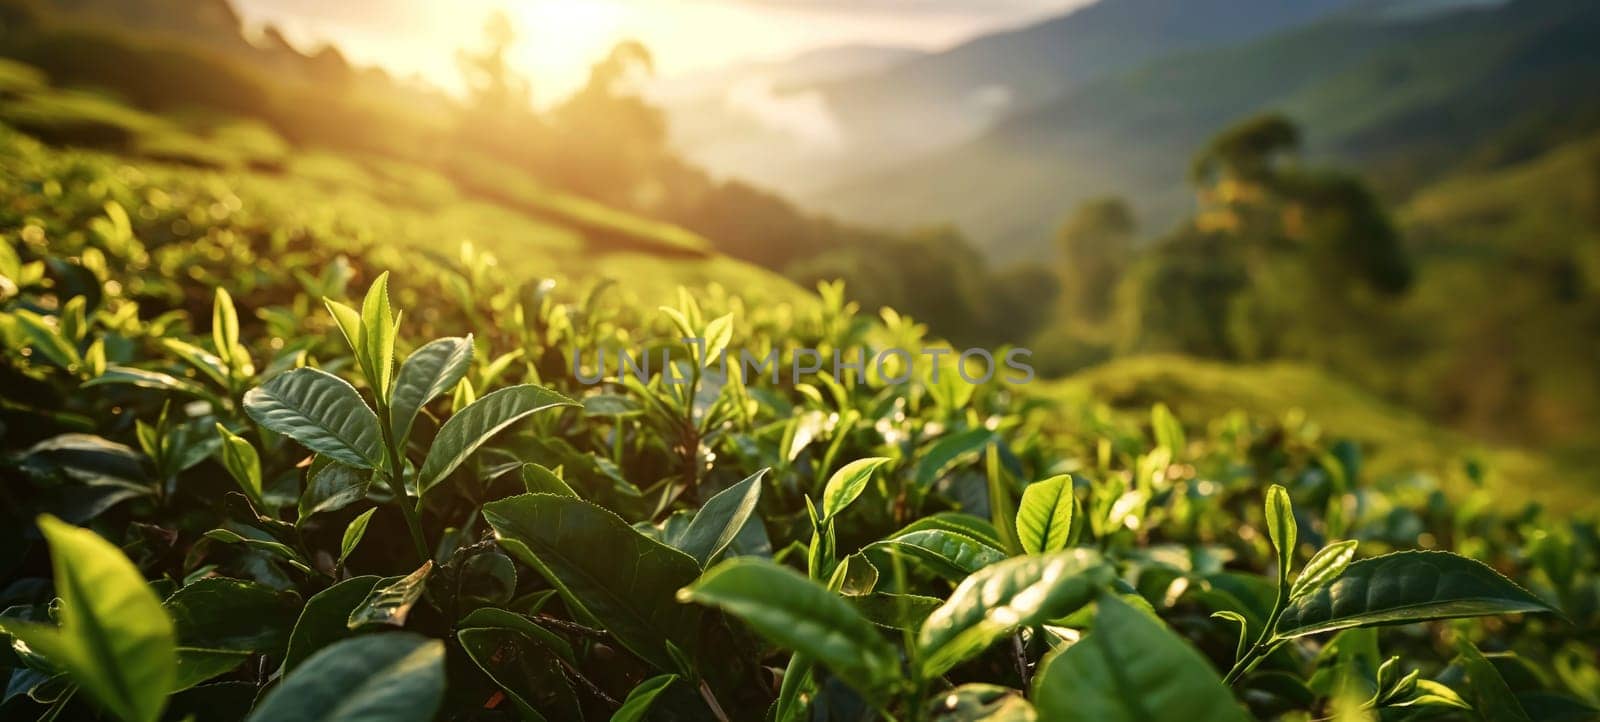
pixel 559 39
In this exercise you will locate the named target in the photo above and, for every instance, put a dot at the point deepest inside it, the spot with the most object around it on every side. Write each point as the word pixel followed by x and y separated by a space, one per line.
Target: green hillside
pixel 245 171
pixel 1396 443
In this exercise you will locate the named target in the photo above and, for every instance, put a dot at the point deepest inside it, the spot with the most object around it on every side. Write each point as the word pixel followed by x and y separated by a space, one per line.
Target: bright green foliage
pixel 1323 568
pixel 1282 529
pixel 1045 515
pixel 847 483
pixel 998 599
pixel 242 462
pixel 949 554
pixel 115 640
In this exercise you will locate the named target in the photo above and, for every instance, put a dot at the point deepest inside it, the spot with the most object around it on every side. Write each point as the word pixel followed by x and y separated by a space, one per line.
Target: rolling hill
pixel 1406 95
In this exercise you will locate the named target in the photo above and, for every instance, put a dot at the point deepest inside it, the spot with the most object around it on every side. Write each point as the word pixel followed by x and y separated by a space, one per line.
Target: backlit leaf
pixel 1325 566
pixel 242 463
pixel 847 483
pixel 115 640
pixel 477 423
pixel 1002 597
pixel 1045 515
pixel 390 601
pixel 1403 587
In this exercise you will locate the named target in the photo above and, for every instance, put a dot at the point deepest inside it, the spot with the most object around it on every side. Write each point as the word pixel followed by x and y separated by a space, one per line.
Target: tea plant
pixel 295 515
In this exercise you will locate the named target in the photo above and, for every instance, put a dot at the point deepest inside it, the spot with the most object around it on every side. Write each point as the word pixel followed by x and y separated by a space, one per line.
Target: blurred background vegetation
pixel 1382 212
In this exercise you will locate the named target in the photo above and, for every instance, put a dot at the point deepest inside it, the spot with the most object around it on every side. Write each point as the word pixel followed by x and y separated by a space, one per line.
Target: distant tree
pixel 1279 261
pixel 613 141
pixel 492 85
pixel 1095 245
pixel 1248 150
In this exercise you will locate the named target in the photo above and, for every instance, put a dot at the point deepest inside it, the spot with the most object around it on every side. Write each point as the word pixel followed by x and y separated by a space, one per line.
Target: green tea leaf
pixel 393 677
pixel 197 665
pixel 390 602
pixel 332 487
pixel 1168 430
pixel 427 374
pixel 719 332
pixel 799 614
pixel 981 703
pixel 1044 516
pixel 500 618
pixel 242 463
pixel 525 670
pixel 719 521
pixel 847 483
pixel 1324 566
pixel 325 619
pixel 638 703
pixel 603 568
pixel 959 522
pixel 224 326
pixel 539 480
pixel 232 614
pixel 322 412
pixel 1004 596
pixel 129 376
pixel 477 423
pixel 1491 696
pixel 377 337
pixel 1282 529
pixel 277 549
pixel 349 322
pixel 202 360
pixel 47 340
pixel 948 554
pixel 947 451
pixel 115 640
pixel 1409 586
pixel 1131 668
pixel 353 534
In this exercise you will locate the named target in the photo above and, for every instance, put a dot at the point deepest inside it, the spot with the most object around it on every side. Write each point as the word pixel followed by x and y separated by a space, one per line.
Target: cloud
pixel 804 116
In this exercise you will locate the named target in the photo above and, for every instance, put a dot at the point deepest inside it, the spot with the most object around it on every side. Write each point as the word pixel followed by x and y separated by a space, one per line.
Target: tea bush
pixel 236 486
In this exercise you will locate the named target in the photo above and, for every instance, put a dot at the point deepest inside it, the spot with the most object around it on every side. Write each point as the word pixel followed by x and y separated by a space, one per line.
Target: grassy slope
pixel 535 232
pixel 1395 440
